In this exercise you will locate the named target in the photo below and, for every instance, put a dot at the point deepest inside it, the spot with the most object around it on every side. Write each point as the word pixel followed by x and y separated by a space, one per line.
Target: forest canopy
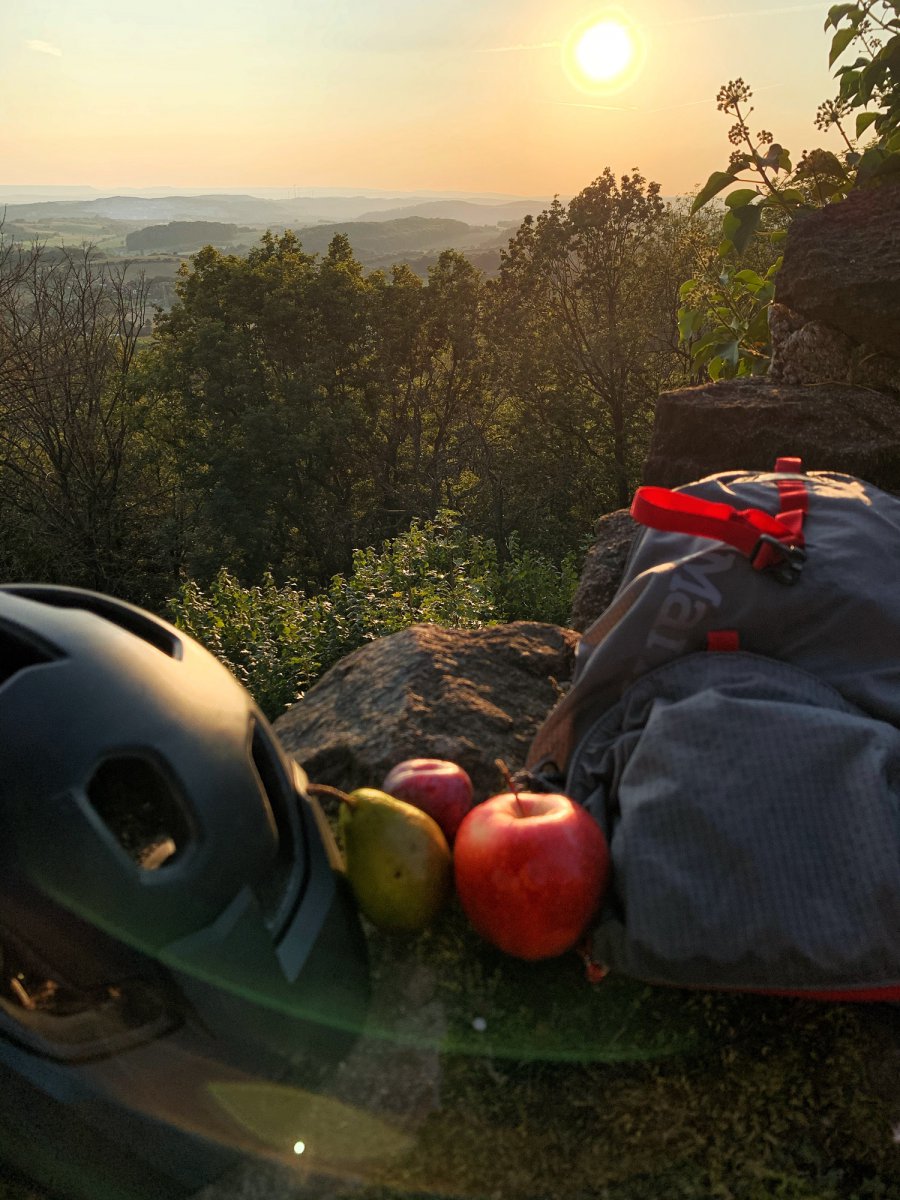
pixel 291 408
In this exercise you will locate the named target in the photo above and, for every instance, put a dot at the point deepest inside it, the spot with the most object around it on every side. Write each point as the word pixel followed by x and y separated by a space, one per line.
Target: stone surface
pixel 811 352
pixel 603 568
pixel 471 696
pixel 747 424
pixel 842 267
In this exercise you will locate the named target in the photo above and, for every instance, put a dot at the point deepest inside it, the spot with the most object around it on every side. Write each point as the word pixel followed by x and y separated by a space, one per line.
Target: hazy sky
pixel 407 94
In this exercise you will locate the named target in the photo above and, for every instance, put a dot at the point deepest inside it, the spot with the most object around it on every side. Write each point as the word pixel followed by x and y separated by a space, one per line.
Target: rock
pixel 603 568
pixel 807 352
pixel 471 696
pixel 842 267
pixel 748 423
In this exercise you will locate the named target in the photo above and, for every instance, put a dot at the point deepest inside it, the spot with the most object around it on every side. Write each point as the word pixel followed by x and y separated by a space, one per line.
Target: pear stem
pixel 511 784
pixel 323 789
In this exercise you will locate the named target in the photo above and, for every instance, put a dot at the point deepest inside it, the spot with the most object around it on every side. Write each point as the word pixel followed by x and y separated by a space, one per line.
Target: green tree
pixel 78 504
pixel 430 368
pixel 258 364
pixel 585 332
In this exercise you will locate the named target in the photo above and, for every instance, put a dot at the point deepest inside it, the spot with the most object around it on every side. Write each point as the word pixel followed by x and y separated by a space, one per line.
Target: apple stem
pixel 323 789
pixel 511 784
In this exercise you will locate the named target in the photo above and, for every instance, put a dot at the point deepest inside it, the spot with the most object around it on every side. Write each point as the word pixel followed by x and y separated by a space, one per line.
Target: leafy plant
pixel 724 319
pixel 529 587
pixel 278 641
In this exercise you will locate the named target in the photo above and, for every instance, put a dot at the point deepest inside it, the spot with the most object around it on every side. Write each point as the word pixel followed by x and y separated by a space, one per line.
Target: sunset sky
pixel 471 96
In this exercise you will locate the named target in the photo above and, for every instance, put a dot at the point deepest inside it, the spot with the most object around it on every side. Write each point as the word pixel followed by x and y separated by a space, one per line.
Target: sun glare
pixel 604 53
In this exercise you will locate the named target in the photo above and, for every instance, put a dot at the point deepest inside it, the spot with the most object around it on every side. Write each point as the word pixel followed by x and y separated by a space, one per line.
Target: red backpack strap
pixel 768 541
pixel 792 494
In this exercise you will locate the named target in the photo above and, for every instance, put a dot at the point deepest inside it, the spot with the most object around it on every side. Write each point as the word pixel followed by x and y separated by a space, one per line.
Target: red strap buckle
pixel 771 543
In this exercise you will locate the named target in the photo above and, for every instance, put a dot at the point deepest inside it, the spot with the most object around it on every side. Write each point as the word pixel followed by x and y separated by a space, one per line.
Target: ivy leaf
pixel 758 329
pixel 849 82
pixel 731 225
pixel 871 78
pixel 889 165
pixel 869 164
pixel 725 362
pixel 716 182
pixel 706 343
pixel 690 320
pixel 837 12
pixel 889 52
pixel 740 197
pixel 863 121
pixel 740 224
pixel 839 43
pixel 687 287
pixel 792 196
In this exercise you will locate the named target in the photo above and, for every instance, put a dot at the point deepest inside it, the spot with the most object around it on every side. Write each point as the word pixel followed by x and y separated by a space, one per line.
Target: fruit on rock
pixel 398 860
pixel 440 788
pixel 531 870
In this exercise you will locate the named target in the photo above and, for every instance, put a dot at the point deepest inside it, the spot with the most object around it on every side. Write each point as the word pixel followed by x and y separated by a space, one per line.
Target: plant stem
pixel 323 789
pixel 511 784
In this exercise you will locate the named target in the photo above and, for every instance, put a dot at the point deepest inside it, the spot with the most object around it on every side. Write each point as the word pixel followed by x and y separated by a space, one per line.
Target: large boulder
pixel 842 267
pixel 471 696
pixel 603 568
pixel 748 423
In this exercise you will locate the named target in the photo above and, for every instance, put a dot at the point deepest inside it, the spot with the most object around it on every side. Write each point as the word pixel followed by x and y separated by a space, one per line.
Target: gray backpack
pixel 734 727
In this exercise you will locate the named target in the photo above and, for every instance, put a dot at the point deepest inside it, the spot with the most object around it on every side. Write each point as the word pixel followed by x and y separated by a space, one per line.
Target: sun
pixel 604 53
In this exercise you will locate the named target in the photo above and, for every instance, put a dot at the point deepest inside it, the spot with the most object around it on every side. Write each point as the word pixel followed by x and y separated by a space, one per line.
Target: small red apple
pixel 531 870
pixel 440 788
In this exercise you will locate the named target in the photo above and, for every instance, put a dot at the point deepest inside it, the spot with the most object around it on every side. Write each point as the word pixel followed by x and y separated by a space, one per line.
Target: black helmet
pixel 172 911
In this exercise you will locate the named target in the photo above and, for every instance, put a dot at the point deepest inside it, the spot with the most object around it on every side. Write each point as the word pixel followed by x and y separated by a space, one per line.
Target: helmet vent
pixel 141 809
pixel 273 892
pixel 18 654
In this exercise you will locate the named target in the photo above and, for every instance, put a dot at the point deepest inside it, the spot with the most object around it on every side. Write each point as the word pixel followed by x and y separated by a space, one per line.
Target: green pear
pixel 398 860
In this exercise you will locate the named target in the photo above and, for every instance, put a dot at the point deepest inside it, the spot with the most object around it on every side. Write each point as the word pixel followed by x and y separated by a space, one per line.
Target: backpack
pixel 734 727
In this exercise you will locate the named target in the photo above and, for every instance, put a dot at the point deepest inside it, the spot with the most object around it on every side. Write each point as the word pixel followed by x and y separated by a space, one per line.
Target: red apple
pixel 441 789
pixel 531 870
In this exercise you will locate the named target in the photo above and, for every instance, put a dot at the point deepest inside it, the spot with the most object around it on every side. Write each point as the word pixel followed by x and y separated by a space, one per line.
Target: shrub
pixel 278 641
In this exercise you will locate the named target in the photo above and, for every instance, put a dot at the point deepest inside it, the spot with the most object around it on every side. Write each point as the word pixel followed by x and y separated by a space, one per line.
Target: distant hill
pixel 181 235
pixel 237 209
pixel 256 210
pixel 407 237
pixel 173 226
pixel 470 211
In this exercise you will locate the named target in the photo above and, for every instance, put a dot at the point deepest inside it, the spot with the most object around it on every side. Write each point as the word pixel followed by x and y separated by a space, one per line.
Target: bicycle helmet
pixel 172 912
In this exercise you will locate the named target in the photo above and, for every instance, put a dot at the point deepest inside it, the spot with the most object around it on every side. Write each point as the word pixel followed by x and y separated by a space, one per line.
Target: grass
pixel 623 1091
pixel 552 1088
